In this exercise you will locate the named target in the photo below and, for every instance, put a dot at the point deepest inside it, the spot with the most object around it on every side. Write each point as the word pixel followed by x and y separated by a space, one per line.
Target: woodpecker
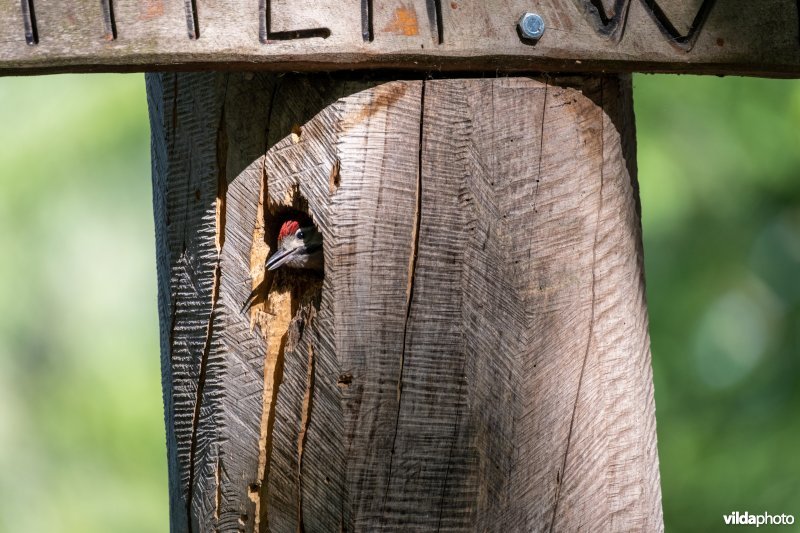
pixel 298 247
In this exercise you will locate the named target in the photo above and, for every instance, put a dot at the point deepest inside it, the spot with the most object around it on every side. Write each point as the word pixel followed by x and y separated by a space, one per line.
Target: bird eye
pixel 299 234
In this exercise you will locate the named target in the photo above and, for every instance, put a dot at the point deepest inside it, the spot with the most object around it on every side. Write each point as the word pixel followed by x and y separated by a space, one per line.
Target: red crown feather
pixel 289 228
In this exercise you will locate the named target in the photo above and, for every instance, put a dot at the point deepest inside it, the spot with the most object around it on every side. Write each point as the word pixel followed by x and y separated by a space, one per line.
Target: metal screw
pixel 531 26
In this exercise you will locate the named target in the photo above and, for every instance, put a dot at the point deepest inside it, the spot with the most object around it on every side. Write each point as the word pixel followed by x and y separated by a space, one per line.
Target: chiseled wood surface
pixel 692 36
pixel 476 357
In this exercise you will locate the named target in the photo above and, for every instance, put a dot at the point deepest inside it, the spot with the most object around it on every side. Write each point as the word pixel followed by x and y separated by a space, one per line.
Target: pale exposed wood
pixel 476 358
pixel 697 36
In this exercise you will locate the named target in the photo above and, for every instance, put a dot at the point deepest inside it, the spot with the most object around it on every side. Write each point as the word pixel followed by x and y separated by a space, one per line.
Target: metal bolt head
pixel 531 26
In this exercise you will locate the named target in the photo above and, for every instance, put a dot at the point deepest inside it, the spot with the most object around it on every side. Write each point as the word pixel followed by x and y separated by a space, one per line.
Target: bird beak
pixel 280 257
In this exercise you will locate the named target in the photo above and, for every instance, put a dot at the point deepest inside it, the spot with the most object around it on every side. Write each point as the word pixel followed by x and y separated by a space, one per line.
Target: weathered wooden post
pixel 476 356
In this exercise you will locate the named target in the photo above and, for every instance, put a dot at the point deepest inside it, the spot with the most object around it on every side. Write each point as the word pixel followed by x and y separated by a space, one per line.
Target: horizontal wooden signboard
pixel 755 37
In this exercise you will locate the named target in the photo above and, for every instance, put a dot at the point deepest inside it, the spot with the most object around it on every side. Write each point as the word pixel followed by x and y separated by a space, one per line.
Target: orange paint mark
pixel 404 22
pixel 152 9
pixel 385 96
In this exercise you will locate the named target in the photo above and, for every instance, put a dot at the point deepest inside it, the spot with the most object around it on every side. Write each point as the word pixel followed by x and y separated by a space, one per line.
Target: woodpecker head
pixel 298 247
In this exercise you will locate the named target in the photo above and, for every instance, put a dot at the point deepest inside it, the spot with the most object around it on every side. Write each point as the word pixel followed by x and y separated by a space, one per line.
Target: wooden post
pixel 476 357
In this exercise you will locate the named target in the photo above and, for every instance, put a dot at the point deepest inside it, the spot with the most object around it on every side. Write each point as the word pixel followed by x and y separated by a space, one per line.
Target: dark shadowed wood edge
pixel 476 357
pixel 410 67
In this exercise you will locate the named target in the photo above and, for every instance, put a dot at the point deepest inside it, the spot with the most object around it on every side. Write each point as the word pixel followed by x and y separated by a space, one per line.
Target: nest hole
pixel 305 284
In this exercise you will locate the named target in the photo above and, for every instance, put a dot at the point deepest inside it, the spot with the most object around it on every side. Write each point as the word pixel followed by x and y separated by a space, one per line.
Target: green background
pixel 81 423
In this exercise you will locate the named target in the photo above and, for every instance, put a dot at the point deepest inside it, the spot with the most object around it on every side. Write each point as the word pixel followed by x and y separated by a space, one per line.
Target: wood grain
pixel 476 357
pixel 697 36
pixel 185 179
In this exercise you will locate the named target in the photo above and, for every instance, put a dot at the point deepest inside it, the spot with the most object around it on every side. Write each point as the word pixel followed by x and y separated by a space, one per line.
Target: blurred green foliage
pixel 719 170
pixel 81 423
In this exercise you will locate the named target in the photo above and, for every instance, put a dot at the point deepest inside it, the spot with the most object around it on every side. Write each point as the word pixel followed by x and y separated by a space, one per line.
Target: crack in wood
pixel 29 22
pixel 201 382
pixel 219 241
pixel 560 474
pixel 218 489
pixel 273 377
pixel 308 400
pixel 541 145
pixel 412 266
pixel 613 25
pixel 262 279
pixel 286 329
pixel 273 315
